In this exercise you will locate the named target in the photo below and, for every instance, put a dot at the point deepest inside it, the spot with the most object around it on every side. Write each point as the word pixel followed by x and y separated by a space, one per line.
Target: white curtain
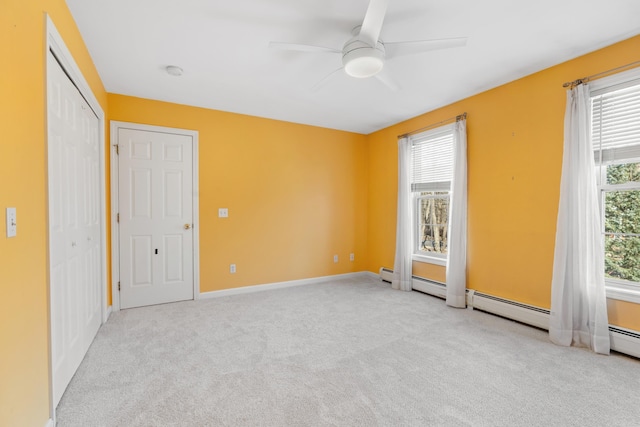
pixel 457 233
pixel 404 223
pixel 578 298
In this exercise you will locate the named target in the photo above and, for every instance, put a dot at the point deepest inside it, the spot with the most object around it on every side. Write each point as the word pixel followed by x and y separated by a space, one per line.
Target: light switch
pixel 11 222
pixel 223 213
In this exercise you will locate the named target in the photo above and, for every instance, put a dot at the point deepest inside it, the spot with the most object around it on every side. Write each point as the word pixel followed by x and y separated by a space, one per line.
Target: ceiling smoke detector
pixel 174 70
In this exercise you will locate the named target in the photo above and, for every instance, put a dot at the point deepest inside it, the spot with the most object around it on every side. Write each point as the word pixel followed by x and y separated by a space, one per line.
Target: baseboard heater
pixel 622 340
pixel 431 287
pixel 386 274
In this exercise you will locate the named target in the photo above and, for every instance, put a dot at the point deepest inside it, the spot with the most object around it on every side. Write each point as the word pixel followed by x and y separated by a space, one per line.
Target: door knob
pixel 187 226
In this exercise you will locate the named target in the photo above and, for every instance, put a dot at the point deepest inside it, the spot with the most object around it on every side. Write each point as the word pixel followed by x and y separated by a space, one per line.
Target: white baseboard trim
pixel 49 423
pixel 278 285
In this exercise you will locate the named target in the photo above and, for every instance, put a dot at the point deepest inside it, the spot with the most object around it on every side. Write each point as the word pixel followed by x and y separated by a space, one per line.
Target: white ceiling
pixel 223 48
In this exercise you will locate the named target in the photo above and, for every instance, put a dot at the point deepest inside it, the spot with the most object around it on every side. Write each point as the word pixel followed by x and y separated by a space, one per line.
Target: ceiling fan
pixel 364 54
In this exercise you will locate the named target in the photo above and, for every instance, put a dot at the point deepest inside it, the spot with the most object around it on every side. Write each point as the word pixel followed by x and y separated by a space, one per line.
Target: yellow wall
pixel 430 271
pixel 24 376
pixel 296 194
pixel 515 136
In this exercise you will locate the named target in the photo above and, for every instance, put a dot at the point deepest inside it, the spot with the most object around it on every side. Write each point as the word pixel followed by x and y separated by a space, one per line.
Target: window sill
pixel 429 259
pixel 623 292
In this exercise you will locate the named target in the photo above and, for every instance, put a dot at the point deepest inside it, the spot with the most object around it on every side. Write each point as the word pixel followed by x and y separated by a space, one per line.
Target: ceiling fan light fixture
pixel 363 66
pixel 362 61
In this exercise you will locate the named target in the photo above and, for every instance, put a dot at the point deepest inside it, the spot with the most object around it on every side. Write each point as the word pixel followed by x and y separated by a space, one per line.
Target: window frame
pixel 418 254
pixel 618 289
pixel 436 187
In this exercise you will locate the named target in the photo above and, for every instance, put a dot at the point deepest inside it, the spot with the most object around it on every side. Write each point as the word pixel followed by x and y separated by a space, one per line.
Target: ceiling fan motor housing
pixel 361 60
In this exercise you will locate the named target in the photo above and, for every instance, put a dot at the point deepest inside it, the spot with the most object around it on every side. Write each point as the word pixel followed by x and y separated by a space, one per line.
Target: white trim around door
pixel 115 232
pixel 56 45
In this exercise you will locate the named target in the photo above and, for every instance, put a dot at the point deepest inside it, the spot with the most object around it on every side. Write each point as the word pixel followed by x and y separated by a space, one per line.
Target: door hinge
pixel 118 285
pixel 118 217
pixel 117 149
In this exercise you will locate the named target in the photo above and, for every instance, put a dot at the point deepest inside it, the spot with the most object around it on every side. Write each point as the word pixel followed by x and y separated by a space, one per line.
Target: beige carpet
pixel 351 352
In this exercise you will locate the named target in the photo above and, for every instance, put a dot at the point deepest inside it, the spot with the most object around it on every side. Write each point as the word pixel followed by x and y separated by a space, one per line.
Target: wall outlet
pixel 232 269
pixel 223 213
pixel 352 257
pixel 335 258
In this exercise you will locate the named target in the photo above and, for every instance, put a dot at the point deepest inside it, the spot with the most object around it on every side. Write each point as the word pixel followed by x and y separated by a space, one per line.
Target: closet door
pixel 74 225
pixel 156 216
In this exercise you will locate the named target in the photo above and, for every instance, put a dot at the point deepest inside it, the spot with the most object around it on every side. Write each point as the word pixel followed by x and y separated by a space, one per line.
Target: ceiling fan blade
pixel 298 47
pixel 372 24
pixel 325 80
pixel 389 82
pixel 395 49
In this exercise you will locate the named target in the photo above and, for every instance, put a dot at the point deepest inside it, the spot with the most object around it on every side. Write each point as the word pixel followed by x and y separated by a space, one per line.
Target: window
pixel 432 154
pixel 616 142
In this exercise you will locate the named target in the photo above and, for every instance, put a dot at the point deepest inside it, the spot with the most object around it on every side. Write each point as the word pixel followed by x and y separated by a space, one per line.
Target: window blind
pixel 432 154
pixel 616 123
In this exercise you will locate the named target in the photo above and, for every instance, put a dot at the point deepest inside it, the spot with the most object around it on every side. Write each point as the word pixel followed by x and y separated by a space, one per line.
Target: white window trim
pixel 617 289
pixel 429 259
pixel 622 290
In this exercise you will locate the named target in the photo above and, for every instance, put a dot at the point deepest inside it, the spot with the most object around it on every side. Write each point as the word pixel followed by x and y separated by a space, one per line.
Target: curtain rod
pixel 598 75
pixel 462 116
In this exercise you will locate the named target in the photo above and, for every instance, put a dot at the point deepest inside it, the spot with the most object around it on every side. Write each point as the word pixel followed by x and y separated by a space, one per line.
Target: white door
pixel 155 185
pixel 74 225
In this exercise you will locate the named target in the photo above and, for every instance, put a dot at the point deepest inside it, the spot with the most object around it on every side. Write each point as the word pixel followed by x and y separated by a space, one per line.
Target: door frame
pixel 55 43
pixel 115 195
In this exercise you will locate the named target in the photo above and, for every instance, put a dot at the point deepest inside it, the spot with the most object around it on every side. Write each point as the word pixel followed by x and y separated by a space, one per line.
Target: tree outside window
pixel 622 223
pixel 433 218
